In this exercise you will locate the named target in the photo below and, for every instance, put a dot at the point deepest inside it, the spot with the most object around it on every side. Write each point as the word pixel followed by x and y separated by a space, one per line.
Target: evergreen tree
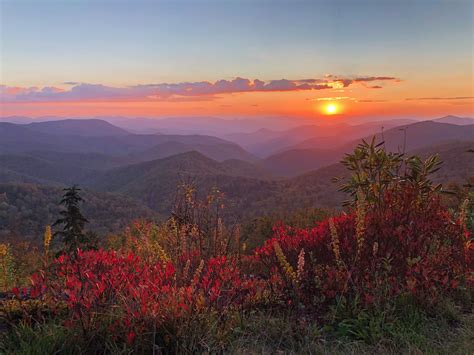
pixel 73 222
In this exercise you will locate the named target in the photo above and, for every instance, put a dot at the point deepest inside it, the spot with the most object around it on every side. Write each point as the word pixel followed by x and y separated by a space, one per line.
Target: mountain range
pixel 138 173
pixel 81 136
pixel 309 155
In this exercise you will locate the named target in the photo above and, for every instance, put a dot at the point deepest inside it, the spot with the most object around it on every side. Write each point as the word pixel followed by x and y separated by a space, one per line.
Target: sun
pixel 330 109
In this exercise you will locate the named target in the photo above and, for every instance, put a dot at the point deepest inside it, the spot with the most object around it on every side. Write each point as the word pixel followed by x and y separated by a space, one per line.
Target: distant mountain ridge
pixel 418 135
pixel 78 127
pixel 461 121
pixel 46 167
pixel 190 164
pixel 155 182
pixel 266 143
pixel 138 174
pixel 95 136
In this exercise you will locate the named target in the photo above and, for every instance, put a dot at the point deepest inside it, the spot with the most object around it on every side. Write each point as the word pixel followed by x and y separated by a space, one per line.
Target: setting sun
pixel 330 109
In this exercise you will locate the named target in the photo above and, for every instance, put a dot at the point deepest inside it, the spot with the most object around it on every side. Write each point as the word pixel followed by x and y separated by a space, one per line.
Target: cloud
pixel 440 98
pixel 335 98
pixel 372 100
pixel 184 91
pixel 345 82
pixel 7 92
pixel 376 78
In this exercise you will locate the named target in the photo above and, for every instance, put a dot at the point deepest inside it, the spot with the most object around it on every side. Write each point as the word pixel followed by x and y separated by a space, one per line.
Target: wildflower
pixel 300 269
pixel 335 242
pixel 290 273
pixel 47 238
pixel 186 269
pixel 161 253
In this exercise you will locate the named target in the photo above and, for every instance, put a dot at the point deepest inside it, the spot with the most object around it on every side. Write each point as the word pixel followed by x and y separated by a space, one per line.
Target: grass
pixel 413 332
pixel 49 338
pixel 261 333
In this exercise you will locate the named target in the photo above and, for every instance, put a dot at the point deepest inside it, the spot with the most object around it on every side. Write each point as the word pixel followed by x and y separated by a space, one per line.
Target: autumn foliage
pixel 133 297
pixel 159 284
pixel 408 248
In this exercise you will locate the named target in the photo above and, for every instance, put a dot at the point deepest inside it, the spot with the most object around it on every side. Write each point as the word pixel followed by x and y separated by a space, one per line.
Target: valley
pixel 137 175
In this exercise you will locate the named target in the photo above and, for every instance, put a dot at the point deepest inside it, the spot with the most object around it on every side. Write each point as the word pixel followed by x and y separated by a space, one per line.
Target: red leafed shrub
pixel 410 246
pixel 132 296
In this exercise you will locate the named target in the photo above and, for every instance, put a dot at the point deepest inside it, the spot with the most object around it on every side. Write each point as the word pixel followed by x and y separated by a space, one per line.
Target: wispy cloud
pixel 368 100
pixel 440 98
pixel 185 91
pixel 376 78
pixel 335 98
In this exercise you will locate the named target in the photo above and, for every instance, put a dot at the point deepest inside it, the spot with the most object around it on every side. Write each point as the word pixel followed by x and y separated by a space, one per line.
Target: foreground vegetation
pixel 392 274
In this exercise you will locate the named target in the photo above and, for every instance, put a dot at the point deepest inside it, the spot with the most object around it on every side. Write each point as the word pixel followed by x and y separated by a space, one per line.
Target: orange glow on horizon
pixel 357 103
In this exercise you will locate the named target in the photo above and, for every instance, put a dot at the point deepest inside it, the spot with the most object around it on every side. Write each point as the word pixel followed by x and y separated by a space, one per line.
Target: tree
pixel 73 222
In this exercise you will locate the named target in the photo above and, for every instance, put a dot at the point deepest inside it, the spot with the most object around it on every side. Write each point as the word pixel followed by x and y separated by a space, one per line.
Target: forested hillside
pixel 25 209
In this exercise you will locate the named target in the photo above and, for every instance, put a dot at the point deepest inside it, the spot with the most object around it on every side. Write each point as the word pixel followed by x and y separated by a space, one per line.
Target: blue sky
pixel 122 43
pixel 46 42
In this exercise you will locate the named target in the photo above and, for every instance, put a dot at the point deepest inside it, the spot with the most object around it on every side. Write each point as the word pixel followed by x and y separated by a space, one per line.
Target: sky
pixel 226 58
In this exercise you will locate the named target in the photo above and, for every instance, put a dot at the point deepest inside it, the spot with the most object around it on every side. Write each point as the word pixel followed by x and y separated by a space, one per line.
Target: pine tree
pixel 73 222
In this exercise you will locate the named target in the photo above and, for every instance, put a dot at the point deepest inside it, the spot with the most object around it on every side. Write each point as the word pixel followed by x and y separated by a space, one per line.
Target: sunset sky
pixel 242 58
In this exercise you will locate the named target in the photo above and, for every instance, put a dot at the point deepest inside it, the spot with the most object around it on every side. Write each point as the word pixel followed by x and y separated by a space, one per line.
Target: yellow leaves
pixel 285 265
pixel 7 267
pixel 413 261
pixel 3 250
pixel 161 253
pixel 200 302
pixel 47 239
pixel 335 243
pixel 186 270
pixel 300 268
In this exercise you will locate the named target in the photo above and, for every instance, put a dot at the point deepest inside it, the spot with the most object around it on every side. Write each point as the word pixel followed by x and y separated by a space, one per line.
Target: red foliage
pixel 409 247
pixel 98 285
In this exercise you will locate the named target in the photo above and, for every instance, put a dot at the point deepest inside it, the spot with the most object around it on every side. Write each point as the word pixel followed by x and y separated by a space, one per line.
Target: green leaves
pixel 374 171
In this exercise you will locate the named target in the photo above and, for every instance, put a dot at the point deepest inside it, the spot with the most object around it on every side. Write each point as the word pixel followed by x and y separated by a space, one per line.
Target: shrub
pixel 107 292
pixel 406 248
pixel 7 267
pixel 187 285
